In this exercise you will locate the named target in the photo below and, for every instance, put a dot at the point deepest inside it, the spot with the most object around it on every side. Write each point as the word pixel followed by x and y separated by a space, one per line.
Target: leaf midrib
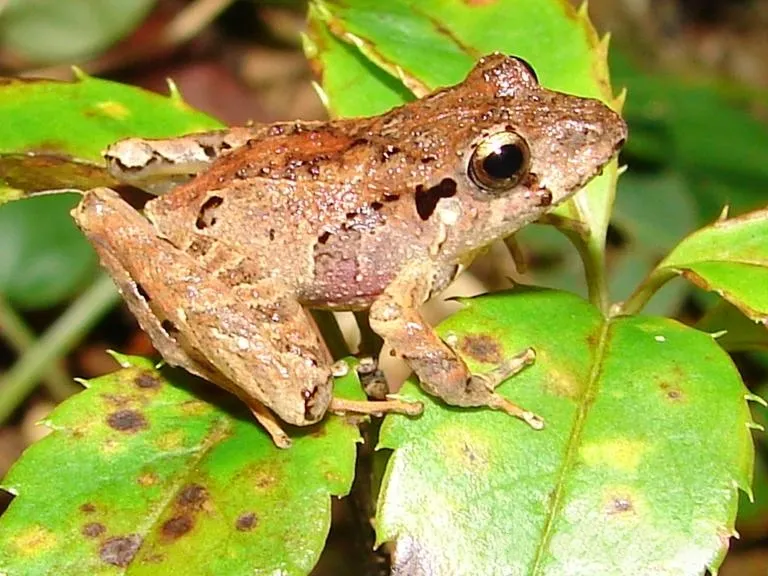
pixel 213 439
pixel 574 441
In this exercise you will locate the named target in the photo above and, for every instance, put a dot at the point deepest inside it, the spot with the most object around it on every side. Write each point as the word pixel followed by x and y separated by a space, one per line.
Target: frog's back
pixel 303 205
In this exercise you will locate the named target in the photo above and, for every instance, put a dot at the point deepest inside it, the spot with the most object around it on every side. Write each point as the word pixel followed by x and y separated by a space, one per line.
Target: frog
pixel 254 226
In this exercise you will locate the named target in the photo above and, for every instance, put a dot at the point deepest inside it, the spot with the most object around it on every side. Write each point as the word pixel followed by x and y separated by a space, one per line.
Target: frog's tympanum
pixel 367 213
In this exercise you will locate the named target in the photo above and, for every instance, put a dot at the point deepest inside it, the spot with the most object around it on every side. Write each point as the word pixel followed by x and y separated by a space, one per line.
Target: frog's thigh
pixel 114 229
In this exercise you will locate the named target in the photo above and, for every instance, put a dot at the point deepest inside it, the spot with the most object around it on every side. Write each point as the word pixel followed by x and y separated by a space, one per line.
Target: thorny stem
pixel 61 337
pixel 20 337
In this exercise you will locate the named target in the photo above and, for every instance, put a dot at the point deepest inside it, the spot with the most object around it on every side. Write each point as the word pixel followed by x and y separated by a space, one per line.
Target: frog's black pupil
pixel 504 163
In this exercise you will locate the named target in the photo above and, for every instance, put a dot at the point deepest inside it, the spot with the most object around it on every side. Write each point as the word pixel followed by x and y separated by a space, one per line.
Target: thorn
pixel 79 73
pixel 322 95
pixel 750 397
pixel 173 91
pixel 755 426
pixel 723 213
pixel 621 99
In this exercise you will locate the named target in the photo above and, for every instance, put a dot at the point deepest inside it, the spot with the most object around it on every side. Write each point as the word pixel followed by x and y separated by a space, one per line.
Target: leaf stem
pixel 20 337
pixel 593 255
pixel 643 293
pixel 591 249
pixel 59 339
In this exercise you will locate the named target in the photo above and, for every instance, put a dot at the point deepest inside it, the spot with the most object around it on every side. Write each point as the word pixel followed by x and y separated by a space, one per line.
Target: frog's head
pixel 532 138
pixel 519 149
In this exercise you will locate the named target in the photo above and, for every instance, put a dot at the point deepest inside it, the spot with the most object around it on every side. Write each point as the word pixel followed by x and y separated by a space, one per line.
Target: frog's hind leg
pixel 115 229
pixel 101 215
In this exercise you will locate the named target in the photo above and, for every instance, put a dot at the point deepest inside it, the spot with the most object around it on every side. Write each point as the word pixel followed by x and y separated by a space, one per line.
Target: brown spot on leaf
pixel 192 496
pixel 672 392
pixel 177 526
pixel 482 348
pixel 88 508
pixel 93 529
pixel 120 550
pixel 147 479
pixel 621 504
pixel 127 421
pixel 246 522
pixel 147 380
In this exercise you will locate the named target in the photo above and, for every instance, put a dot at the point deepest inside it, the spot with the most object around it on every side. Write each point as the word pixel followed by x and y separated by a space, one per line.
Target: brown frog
pixel 378 213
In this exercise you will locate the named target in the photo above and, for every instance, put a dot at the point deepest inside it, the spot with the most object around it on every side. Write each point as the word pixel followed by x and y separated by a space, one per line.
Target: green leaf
pixel 147 473
pixel 729 257
pixel 51 31
pixel 636 471
pixel 735 332
pixel 433 43
pixel 45 259
pixel 52 133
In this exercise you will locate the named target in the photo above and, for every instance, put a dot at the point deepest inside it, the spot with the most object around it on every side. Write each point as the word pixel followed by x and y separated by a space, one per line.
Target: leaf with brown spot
pixel 149 486
pixel 646 441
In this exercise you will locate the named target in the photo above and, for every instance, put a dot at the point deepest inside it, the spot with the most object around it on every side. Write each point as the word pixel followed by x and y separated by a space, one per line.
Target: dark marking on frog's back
pixel 246 522
pixel 93 529
pixel 427 198
pixel 206 216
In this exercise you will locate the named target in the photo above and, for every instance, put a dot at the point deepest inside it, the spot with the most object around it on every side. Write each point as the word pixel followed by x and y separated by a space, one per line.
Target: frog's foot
pixel 506 370
pixel 271 425
pixel 342 405
pixel 372 378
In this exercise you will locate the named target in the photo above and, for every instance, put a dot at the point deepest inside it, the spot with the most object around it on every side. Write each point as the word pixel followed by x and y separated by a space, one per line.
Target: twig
pixel 59 339
pixel 20 337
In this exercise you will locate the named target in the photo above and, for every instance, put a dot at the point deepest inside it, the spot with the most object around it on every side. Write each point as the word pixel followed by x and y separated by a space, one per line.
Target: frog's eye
pixel 499 161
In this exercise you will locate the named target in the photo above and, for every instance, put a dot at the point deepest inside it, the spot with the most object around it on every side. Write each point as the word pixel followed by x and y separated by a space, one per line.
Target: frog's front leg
pixel 396 318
